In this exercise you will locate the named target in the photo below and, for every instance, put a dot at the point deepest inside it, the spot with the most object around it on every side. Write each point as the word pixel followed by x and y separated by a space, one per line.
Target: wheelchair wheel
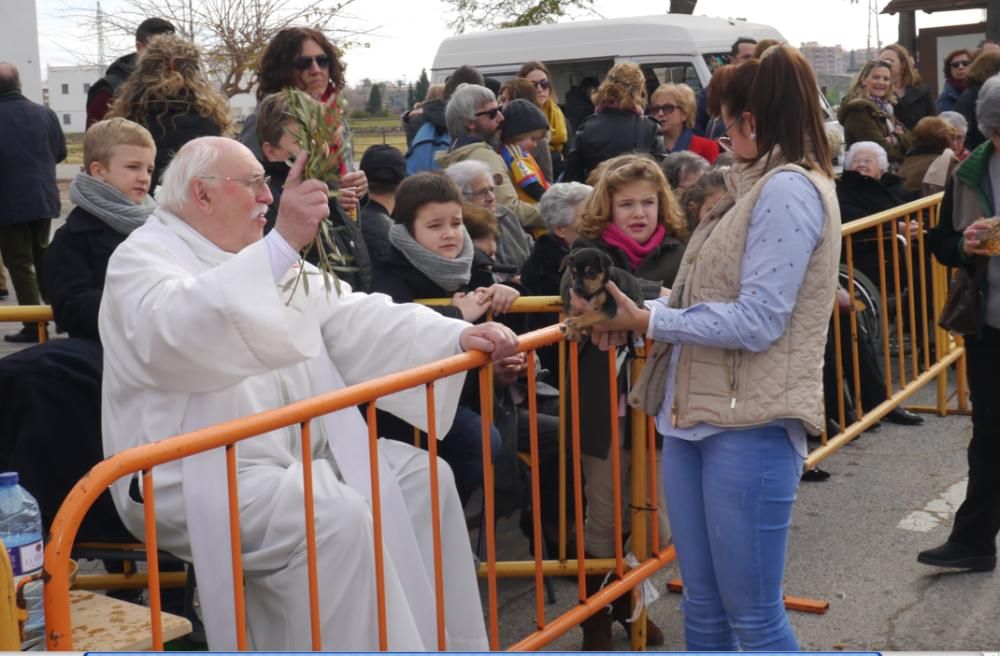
pixel 867 292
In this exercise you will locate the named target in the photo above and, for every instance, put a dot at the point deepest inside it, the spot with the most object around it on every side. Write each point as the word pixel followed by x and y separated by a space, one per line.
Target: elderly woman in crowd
pixel 867 112
pixel 673 106
pixel 537 73
pixel 984 66
pixel 479 188
pixel 169 95
pixel 683 169
pixel 913 99
pixel 956 242
pixel 960 128
pixel 560 208
pixel 618 126
pixel 956 68
pixel 931 138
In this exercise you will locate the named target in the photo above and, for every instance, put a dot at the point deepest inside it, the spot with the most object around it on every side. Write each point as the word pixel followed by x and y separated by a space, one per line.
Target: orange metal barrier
pixel 913 288
pixel 28 313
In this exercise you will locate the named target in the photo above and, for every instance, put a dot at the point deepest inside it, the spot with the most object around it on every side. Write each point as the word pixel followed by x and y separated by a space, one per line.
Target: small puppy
pixel 589 270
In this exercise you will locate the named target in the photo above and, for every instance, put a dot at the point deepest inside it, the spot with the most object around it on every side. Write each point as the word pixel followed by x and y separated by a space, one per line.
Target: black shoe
pixel 951 554
pixel 23 336
pixel 903 417
pixel 815 474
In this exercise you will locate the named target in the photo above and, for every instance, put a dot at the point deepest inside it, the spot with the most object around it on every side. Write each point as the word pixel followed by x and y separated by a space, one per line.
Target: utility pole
pixel 101 45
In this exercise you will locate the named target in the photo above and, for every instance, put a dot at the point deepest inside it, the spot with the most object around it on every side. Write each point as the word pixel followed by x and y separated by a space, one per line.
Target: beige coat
pixel 739 388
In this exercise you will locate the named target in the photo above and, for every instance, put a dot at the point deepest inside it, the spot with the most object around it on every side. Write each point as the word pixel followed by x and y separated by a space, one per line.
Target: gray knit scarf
pixel 449 274
pixel 108 204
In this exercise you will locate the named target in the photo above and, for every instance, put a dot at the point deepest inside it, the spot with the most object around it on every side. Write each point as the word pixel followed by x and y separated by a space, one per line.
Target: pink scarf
pixel 634 251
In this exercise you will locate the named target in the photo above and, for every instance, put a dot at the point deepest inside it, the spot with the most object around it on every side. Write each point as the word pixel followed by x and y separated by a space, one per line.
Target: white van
pixel 673 47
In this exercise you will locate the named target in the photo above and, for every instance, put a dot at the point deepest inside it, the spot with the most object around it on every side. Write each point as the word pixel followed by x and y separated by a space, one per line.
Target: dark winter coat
pixel 915 166
pixel 657 270
pixel 915 104
pixel 102 93
pixel 577 107
pixel 608 133
pixel 541 273
pixel 375 223
pixel 345 232
pixel 860 195
pixel 173 125
pixel 864 121
pixel 31 143
pixel 949 96
pixel 966 106
pixel 75 266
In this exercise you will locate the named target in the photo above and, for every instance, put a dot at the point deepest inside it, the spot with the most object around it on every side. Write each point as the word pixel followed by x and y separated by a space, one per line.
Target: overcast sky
pixel 407 32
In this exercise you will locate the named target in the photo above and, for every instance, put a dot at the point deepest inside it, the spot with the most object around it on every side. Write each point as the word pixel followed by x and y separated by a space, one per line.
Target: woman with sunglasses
pixel 673 106
pixel 303 58
pixel 734 377
pixel 867 112
pixel 618 125
pixel 913 98
pixel 956 68
pixel 539 76
pixel 984 66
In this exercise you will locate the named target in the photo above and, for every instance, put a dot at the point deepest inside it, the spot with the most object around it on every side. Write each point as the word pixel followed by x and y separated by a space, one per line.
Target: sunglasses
pixel 542 84
pixel 656 109
pixel 962 63
pixel 492 113
pixel 305 63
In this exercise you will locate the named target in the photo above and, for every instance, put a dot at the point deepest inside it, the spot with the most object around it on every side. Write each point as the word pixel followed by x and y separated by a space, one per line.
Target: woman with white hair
pixel 961 128
pixel 957 242
pixel 478 184
pixel 560 206
pixel 866 186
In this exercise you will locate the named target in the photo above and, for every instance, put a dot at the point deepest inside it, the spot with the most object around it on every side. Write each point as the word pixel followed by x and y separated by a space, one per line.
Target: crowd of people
pixel 719 210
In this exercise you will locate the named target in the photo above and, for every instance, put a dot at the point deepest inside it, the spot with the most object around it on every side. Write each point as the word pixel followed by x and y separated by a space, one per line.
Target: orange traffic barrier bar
pixel 801 604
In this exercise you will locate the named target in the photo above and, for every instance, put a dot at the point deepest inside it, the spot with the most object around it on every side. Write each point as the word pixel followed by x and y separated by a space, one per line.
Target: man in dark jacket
pixel 102 92
pixel 385 168
pixel 31 142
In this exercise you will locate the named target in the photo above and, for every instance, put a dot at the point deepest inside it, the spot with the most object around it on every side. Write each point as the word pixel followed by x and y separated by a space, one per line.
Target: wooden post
pixel 993 21
pixel 908 31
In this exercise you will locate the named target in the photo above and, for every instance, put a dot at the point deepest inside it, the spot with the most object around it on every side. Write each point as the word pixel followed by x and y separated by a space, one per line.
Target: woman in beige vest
pixel 734 377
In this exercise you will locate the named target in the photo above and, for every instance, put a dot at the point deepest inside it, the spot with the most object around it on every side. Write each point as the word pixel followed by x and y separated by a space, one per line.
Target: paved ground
pixel 853 543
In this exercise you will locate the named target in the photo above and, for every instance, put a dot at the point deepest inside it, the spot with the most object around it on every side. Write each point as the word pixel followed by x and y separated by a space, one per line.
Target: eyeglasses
pixel 482 194
pixel 541 84
pixel 667 109
pixel 305 63
pixel 256 183
pixel 492 113
pixel 960 63
pixel 724 140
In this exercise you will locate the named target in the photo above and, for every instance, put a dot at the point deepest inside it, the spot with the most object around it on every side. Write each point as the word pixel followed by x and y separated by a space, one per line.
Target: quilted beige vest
pixel 740 388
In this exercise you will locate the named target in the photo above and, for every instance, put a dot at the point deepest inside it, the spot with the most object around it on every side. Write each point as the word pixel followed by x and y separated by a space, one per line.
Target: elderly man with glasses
pixel 201 326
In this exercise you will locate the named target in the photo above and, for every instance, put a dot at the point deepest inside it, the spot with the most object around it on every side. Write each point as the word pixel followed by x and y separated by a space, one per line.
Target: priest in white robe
pixel 198 330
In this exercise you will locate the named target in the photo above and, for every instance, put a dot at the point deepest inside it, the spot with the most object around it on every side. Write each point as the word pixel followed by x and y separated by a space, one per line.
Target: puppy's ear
pixel 606 261
pixel 566 262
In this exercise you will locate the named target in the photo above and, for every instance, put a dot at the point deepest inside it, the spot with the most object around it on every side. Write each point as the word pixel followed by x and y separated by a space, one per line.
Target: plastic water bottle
pixel 21 532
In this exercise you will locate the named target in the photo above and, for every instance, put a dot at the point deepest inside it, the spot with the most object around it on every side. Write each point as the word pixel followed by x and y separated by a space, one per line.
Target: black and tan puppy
pixel 589 270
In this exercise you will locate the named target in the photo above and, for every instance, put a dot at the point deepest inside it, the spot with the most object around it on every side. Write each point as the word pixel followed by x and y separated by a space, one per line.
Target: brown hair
pixel 685 100
pixel 951 55
pixel 624 87
pixel 932 132
pixel 696 194
pixel 101 138
pixel 168 76
pixel 462 75
pixel 479 222
pixel 275 70
pixel 434 92
pixel 527 67
pixel 984 66
pixel 781 93
pixel 857 88
pixel 518 88
pixel 421 189
pixel 908 75
pixel 615 174
pixel 762 47
pixel 272 117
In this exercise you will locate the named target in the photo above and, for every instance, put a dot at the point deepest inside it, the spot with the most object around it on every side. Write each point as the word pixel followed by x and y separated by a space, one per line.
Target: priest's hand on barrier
pixel 304 205
pixel 493 338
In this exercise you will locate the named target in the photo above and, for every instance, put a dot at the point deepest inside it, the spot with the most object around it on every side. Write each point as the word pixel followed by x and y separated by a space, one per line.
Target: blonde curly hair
pixel 168 76
pixel 623 87
pixel 617 172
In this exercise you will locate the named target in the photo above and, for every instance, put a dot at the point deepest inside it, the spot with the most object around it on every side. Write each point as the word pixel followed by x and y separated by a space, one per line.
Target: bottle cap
pixel 8 479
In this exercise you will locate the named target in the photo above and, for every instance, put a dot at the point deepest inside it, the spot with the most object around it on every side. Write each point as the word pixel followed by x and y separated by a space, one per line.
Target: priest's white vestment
pixel 194 336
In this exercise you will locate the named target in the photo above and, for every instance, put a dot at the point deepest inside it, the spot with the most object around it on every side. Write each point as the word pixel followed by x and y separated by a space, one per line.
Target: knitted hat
pixel 521 117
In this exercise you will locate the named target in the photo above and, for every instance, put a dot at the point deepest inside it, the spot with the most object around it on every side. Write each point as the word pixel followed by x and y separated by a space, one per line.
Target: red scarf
pixel 634 251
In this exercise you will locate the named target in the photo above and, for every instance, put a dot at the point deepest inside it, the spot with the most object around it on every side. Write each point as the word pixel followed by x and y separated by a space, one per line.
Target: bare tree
pixel 231 33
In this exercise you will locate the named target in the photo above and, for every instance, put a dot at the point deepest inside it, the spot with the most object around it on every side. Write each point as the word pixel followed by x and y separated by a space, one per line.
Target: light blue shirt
pixel 785 226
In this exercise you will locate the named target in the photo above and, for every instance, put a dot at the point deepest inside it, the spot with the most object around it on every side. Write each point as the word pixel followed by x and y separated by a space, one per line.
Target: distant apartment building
pixel 825 60
pixel 19 36
pixel 67 91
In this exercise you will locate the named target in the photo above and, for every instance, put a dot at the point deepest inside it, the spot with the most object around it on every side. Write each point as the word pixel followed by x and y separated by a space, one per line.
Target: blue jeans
pixel 730 502
pixel 462 449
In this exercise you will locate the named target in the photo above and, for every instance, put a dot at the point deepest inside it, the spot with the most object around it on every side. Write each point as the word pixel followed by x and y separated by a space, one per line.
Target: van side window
pixel 672 73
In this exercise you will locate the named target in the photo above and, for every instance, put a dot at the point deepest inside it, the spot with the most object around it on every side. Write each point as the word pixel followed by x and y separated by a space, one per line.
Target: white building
pixel 19 36
pixel 68 87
